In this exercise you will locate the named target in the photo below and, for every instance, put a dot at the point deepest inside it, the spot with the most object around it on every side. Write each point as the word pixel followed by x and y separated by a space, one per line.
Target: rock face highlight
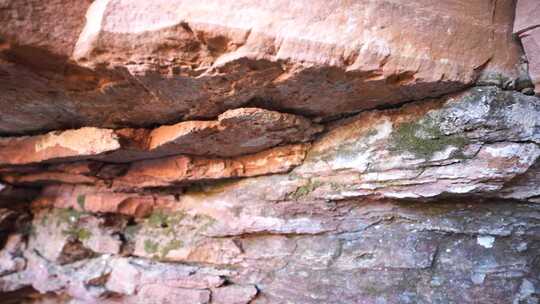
pixel 265 152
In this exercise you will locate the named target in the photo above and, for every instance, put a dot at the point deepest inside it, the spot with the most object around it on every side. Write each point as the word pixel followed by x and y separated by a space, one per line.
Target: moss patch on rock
pixel 80 234
pixel 165 231
pixel 306 189
pixel 171 245
pixel 150 246
pixel 69 216
pixel 423 139
pixel 81 201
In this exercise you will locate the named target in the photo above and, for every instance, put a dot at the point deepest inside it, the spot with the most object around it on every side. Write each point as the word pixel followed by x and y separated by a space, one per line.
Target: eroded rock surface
pixel 473 142
pixel 381 251
pixel 83 142
pixel 141 63
pixel 236 132
pixel 377 152
pixel 441 191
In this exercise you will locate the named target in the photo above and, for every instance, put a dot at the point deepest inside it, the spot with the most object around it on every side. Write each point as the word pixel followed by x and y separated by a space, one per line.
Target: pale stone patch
pixel 84 141
pixel 485 241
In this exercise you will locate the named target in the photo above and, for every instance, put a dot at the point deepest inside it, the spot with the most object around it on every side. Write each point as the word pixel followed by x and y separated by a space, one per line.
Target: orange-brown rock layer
pixel 236 132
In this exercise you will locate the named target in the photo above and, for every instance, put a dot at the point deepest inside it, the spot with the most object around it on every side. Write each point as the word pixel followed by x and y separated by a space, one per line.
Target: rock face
pixel 269 152
pixel 527 26
pixel 236 132
pixel 57 145
pixel 142 63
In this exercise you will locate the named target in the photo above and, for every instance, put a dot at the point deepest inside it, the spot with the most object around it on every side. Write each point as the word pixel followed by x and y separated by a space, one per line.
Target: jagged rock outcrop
pixel 377 152
pixel 236 132
pixel 141 63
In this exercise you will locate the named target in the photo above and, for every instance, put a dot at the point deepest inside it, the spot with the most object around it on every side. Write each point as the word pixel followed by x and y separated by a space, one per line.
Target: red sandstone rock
pixel 91 199
pixel 236 132
pixel 78 143
pixel 161 172
pixel 181 169
pixel 176 213
pixel 526 15
pixel 527 26
pixel 531 44
pixel 141 63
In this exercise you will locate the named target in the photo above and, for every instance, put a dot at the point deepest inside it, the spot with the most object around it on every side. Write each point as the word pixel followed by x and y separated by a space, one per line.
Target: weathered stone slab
pixel 142 63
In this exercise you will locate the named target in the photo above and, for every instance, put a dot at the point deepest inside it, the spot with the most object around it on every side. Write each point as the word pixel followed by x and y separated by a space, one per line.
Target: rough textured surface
pixel 140 63
pixel 526 15
pixel 161 172
pixel 268 152
pixel 381 252
pixel 236 132
pixel 57 145
pixel 474 142
pixel 176 169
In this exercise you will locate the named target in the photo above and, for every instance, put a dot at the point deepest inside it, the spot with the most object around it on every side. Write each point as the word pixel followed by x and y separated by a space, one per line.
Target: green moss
pixel 131 231
pixel 80 234
pixel 165 231
pixel 306 189
pixel 337 187
pixel 83 234
pixel 44 219
pixel 165 222
pixel 423 139
pixel 81 198
pixel 150 246
pixel 160 219
pixel 171 245
pixel 69 216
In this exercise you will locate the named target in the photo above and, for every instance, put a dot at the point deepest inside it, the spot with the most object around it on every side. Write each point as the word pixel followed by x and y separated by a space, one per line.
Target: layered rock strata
pixel 269 152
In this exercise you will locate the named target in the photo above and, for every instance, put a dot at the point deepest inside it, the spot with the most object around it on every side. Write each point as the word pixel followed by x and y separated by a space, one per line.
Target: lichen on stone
pixel 69 216
pixel 131 231
pixel 77 233
pixel 305 189
pixel 424 138
pixel 171 245
pixel 150 246
pixel 81 199
pixel 167 230
pixel 160 219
